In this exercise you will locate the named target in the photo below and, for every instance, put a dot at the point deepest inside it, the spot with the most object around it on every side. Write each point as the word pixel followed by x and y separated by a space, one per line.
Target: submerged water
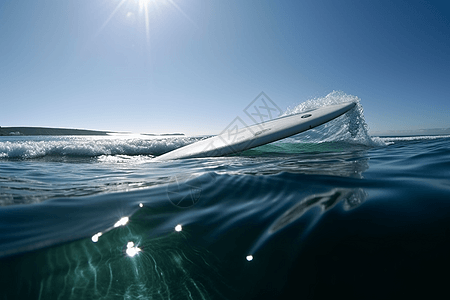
pixel 328 213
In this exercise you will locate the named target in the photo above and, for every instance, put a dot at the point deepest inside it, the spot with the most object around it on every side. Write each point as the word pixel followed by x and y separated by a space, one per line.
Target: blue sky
pixel 192 66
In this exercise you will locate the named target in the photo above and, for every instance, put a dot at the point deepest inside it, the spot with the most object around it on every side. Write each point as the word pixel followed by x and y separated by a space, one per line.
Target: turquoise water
pixel 328 213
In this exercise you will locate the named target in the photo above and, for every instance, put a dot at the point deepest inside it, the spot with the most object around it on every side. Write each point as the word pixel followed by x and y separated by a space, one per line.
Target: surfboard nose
pixel 347 105
pixel 344 107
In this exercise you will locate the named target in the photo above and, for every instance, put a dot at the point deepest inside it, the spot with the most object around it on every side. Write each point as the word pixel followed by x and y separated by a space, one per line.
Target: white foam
pixel 412 138
pixel 88 147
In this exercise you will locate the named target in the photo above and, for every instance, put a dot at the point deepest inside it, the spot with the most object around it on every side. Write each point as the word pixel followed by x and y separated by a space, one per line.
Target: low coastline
pixel 31 131
pixel 27 131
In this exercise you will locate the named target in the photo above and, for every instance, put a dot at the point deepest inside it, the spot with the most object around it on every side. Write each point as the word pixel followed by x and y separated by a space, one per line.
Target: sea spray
pixel 349 128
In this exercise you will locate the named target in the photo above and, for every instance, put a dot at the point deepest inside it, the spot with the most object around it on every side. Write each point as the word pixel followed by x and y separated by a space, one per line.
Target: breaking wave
pixel 37 147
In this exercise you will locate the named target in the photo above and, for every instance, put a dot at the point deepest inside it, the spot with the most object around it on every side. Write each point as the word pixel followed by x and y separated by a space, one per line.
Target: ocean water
pixel 329 213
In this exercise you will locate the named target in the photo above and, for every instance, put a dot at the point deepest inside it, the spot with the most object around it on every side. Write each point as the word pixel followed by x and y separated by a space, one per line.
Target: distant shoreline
pixel 163 134
pixel 27 131
pixel 30 131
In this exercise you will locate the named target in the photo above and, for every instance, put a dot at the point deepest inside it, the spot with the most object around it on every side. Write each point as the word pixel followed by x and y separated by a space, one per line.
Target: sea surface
pixel 331 213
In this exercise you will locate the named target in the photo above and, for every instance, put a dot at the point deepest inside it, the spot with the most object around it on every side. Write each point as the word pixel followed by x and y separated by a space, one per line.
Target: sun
pixel 144 2
pixel 144 9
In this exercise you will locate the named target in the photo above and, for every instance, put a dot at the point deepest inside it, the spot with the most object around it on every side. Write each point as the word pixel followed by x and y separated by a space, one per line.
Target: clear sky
pixel 192 66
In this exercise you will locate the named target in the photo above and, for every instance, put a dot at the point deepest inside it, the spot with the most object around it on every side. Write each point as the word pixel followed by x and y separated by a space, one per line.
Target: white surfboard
pixel 236 140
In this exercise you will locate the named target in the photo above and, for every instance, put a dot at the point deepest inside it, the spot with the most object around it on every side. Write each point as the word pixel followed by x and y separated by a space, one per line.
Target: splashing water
pixel 350 128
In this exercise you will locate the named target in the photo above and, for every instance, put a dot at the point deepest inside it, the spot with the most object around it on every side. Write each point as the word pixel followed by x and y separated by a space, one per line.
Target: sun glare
pixel 142 3
pixel 144 7
pixel 145 10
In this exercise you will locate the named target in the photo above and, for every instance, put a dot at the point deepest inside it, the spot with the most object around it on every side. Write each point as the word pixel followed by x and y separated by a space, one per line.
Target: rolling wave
pixel 26 147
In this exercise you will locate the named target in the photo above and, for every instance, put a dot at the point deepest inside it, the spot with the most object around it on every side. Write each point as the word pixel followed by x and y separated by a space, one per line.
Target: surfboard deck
pixel 237 140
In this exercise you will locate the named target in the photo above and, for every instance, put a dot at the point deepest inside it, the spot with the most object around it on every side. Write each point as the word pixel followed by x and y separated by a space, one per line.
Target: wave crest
pixel 88 147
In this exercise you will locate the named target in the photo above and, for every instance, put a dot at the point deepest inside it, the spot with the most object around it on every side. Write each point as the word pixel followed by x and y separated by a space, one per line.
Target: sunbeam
pixel 146 10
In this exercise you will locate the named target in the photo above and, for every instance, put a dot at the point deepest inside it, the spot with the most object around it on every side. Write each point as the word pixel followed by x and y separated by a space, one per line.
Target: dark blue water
pixel 305 218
